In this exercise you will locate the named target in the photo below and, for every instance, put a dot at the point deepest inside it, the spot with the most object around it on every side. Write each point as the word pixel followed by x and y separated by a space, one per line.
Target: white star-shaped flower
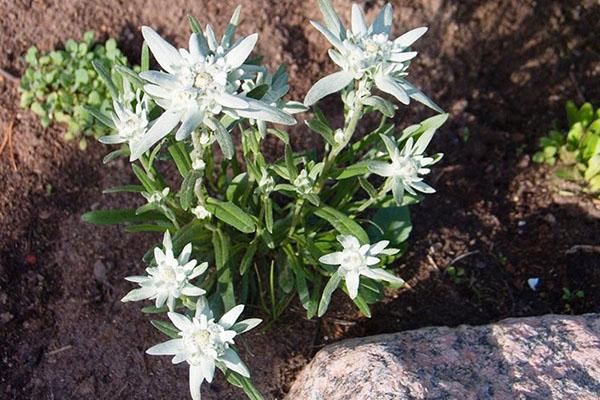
pixel 356 260
pixel 205 343
pixel 366 52
pixel 131 122
pixel 198 84
pixel 170 278
pixel 407 165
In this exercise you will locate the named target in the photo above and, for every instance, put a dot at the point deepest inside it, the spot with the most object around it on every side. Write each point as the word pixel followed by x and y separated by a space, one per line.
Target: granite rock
pixel 547 357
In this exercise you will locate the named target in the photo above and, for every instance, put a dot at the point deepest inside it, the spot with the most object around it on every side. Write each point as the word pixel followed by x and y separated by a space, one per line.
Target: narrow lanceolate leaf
pixel 231 27
pixel 105 75
pixel 328 85
pixel 231 214
pixel 342 223
pixel 146 228
pixel 224 140
pixel 245 383
pixel 248 257
pixel 166 327
pixel 380 104
pixel 181 158
pixel 193 232
pixel 129 74
pixel 351 171
pixel 332 284
pixel 289 163
pixel 113 155
pixel 186 194
pixel 331 19
pixel 300 276
pixel 120 216
pixel 221 247
pixel 322 129
pixel 362 305
pixel 144 179
pixel 419 96
pixel 100 116
pixel 155 310
pixel 145 59
pixel 124 189
pixel 268 204
pixel 194 25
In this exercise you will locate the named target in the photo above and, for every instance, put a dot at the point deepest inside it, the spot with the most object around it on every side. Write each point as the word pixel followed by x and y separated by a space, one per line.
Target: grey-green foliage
pixel 58 85
pixel 577 151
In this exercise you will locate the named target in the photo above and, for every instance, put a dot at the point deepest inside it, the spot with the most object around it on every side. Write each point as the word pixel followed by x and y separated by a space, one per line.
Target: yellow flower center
pixel 202 80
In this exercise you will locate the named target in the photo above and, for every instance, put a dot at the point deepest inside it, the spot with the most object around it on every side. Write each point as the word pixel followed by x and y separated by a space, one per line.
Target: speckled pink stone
pixel 548 357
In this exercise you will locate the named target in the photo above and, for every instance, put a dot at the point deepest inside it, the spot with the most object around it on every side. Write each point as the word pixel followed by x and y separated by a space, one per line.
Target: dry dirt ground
pixel 503 69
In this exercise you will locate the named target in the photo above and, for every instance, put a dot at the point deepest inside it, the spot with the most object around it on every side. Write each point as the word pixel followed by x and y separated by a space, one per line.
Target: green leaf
pixel 181 157
pixel 586 114
pixel 193 232
pixel 380 104
pixel 360 168
pixel 242 382
pixel 225 141
pixel 124 189
pixel 155 310
pixel 113 155
pixel 393 224
pixel 146 228
pixel 237 187
pixel 289 163
pixel 572 112
pixel 194 24
pixel 105 75
pixel 282 135
pixel 145 58
pixel 144 179
pixel 231 214
pixel 567 173
pixel 325 131
pixel 248 257
pixel 342 223
pixel 221 246
pixel 268 206
pixel 362 306
pixel 167 328
pixel 332 284
pixel 186 194
pixel 120 216
pixel 100 116
pixel 300 277
pixel 258 92
pixel 130 74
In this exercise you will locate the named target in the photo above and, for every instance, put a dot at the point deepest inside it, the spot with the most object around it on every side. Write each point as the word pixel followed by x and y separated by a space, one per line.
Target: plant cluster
pixel 577 150
pixel 240 229
pixel 59 85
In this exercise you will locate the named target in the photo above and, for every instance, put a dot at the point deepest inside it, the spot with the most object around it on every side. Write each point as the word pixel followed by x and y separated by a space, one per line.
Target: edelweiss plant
pixel 239 229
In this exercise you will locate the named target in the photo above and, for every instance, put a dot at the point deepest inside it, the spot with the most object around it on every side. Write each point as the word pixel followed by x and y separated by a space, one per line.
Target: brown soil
pixel 502 68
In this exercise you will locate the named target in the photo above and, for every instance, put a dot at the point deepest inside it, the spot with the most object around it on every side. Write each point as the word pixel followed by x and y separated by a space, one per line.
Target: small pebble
pixel 549 218
pixel 533 283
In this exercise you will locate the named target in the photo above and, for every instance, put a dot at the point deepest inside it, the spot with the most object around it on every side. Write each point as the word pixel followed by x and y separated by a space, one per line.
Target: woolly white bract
pixel 367 53
pixel 205 344
pixel 356 260
pixel 171 277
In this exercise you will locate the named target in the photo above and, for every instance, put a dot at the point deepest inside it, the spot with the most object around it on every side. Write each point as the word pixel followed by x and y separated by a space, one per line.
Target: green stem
pixel 348 133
